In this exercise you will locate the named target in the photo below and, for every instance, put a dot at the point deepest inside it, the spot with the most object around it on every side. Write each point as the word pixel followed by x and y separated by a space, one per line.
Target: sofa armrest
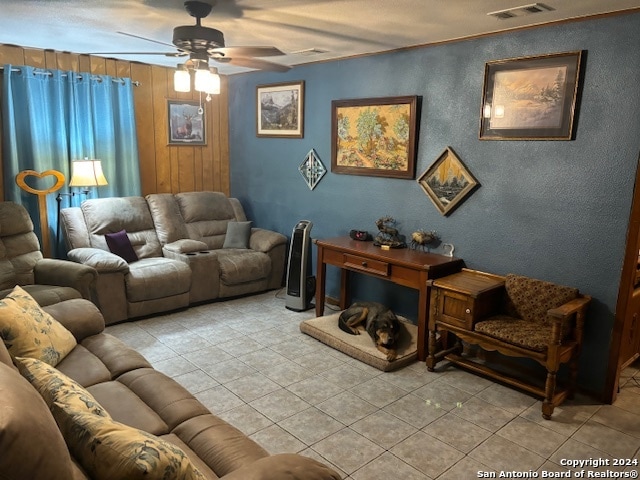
pixel 285 466
pixel 81 317
pixel 51 271
pixel 185 246
pixel 101 260
pixel 262 240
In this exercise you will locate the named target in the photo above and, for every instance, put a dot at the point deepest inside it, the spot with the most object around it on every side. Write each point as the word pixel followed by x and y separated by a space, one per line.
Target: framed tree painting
pixel 280 110
pixel 186 122
pixel 530 98
pixel 375 136
pixel 447 182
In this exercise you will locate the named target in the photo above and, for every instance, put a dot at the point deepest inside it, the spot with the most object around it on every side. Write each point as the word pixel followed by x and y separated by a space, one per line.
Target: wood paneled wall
pixel 163 168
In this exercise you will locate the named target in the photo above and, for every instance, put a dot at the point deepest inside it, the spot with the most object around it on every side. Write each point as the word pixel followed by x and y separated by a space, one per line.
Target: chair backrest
pixel 19 246
pixel 530 299
pixel 111 215
pixel 206 215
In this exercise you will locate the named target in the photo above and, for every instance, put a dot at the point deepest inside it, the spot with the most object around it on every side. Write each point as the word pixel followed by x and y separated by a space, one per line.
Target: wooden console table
pixel 404 266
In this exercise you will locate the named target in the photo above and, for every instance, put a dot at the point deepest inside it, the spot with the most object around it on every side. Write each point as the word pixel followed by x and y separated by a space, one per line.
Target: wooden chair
pixel 533 319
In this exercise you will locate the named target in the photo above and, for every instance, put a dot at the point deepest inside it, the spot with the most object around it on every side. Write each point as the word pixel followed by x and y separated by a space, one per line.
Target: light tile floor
pixel 247 361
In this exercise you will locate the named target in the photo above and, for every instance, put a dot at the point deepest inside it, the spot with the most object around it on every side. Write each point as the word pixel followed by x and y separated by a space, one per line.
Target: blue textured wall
pixel 556 210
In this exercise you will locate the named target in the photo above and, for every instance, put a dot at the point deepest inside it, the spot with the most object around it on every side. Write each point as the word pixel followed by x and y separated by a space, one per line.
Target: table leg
pixel 321 271
pixel 423 308
pixel 345 289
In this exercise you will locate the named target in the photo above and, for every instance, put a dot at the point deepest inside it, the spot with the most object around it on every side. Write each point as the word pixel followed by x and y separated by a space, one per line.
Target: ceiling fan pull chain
pixel 200 109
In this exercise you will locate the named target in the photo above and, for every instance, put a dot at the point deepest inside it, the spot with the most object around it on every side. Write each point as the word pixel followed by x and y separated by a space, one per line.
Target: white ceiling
pixel 342 28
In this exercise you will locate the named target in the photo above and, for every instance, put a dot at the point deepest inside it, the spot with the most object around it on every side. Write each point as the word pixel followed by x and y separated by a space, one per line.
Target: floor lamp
pixel 42 200
pixel 85 174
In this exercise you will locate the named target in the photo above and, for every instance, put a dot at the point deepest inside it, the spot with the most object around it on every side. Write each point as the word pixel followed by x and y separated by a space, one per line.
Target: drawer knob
pixel 364 264
pixel 468 310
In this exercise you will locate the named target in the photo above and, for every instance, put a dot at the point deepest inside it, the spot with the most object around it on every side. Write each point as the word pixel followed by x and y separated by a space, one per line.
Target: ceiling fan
pixel 202 43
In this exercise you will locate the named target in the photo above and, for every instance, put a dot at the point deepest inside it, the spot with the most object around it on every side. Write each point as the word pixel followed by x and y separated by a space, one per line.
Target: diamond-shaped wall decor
pixel 312 169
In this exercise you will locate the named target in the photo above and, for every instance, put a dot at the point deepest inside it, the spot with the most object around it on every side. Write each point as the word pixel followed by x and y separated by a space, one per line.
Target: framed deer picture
pixel 186 120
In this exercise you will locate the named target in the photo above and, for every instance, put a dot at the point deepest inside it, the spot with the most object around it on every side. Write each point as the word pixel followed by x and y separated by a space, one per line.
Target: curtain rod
pixel 135 83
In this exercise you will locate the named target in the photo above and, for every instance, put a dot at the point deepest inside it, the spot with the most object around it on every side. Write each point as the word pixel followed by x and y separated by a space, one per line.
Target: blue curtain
pixel 52 117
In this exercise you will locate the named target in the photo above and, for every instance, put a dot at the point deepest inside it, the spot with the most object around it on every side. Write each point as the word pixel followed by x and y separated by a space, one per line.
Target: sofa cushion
pixel 237 236
pixel 46 295
pixel 120 244
pixel 55 386
pixel 515 331
pixel 151 278
pixel 530 299
pixel 108 215
pixel 29 331
pixel 108 449
pixel 243 266
pixel 30 442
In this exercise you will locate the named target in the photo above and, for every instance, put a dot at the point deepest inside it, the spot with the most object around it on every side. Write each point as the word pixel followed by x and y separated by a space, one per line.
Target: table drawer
pixel 375 267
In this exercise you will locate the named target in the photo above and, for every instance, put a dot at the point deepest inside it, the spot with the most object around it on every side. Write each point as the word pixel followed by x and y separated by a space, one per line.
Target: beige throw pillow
pixel 29 331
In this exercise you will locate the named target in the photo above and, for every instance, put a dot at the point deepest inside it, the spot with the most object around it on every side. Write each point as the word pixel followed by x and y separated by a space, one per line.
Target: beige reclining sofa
pixel 180 249
pixel 134 422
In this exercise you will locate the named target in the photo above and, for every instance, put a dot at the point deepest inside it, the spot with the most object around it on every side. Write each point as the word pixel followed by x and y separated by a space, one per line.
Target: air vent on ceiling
pixel 308 52
pixel 520 11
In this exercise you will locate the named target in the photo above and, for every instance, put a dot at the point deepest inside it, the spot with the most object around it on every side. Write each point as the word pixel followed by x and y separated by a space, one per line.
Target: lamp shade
pixel 87 173
pixel 213 85
pixel 181 81
pixel 202 79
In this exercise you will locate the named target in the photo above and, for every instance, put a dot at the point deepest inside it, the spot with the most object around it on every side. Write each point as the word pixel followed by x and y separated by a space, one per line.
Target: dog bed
pixel 361 347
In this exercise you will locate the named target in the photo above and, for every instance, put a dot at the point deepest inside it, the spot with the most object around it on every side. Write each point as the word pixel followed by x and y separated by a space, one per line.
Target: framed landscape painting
pixel 280 110
pixel 186 121
pixel 530 98
pixel 374 136
pixel 447 182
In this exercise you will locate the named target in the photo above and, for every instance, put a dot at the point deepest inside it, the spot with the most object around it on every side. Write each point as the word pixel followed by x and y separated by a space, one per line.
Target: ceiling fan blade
pixel 249 51
pixel 147 39
pixel 254 63
pixel 166 54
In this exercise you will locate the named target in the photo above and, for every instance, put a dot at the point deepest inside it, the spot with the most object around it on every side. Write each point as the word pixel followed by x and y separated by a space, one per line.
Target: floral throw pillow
pixel 55 386
pixel 107 449
pixel 29 331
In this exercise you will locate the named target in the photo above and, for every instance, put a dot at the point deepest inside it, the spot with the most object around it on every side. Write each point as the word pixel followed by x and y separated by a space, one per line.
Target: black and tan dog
pixel 379 322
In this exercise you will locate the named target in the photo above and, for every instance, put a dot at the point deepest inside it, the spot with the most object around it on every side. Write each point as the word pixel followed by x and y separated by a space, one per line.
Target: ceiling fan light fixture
pixel 181 80
pixel 213 85
pixel 202 79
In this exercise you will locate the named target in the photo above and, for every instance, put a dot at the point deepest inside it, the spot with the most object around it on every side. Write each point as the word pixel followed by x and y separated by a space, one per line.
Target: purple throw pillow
pixel 120 245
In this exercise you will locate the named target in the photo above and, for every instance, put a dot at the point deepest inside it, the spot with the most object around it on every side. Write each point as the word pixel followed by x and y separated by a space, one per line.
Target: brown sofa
pixel 178 244
pixel 47 280
pixel 135 394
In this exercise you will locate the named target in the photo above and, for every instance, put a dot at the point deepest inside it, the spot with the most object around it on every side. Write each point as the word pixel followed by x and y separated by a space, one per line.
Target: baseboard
pixel 331 301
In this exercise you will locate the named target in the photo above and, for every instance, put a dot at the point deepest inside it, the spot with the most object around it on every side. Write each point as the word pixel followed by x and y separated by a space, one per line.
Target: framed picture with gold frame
pixel 375 136
pixel 447 182
pixel 531 98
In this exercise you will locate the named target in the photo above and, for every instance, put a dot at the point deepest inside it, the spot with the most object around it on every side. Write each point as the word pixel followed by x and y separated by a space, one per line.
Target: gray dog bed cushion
pixel 361 347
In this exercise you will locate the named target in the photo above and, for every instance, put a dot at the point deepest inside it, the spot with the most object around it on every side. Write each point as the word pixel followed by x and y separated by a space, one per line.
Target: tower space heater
pixel 301 286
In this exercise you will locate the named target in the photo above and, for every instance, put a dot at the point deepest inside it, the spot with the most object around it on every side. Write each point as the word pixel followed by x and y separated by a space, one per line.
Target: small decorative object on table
pixel 388 235
pixel 423 239
pixel 361 235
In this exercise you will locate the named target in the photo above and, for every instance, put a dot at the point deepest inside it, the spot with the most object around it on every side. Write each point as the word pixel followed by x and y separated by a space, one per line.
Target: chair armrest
pixel 569 308
pixel 262 240
pixel 560 317
pixel 101 260
pixel 186 246
pixel 52 271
